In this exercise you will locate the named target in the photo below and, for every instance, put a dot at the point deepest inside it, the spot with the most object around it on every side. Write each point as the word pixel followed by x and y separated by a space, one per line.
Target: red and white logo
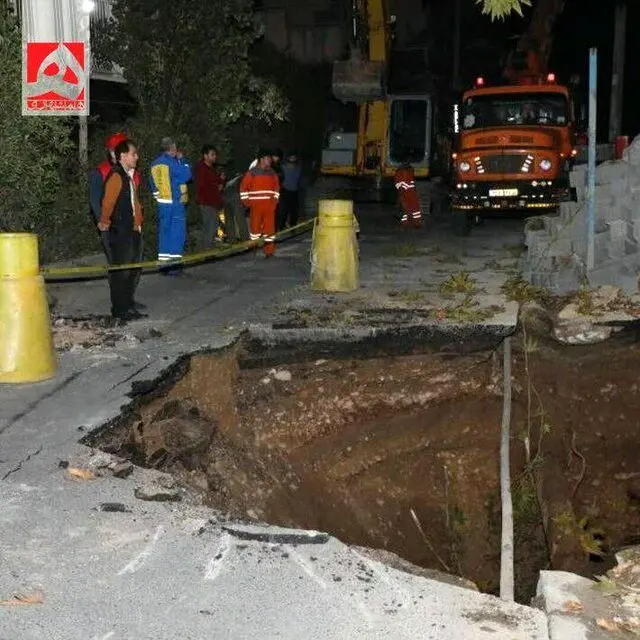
pixel 55 79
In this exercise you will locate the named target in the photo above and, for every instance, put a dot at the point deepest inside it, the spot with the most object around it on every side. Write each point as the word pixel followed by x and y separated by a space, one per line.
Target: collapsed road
pixel 197 427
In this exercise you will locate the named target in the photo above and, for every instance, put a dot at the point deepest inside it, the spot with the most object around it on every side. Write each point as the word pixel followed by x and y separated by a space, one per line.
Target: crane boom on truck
pixel 393 128
pixel 515 141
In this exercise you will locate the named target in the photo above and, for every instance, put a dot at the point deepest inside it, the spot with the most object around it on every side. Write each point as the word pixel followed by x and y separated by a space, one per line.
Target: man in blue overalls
pixel 168 181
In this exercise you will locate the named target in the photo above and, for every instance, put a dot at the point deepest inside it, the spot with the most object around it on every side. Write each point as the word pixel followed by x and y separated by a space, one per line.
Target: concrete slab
pixel 157 572
pixel 573 606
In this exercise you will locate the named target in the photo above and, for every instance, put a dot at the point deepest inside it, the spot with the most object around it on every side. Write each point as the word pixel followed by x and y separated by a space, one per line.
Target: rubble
pixel 593 316
pixel 113 507
pixel 158 488
pixel 122 469
pixel 96 333
pixel 557 246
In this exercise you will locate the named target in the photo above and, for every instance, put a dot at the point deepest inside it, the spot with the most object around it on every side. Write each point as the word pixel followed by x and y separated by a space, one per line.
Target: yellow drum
pixel 334 251
pixel 26 341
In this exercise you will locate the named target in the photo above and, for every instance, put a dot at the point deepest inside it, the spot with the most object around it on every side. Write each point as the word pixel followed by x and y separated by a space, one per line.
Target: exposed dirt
pixel 402 453
pixel 95 333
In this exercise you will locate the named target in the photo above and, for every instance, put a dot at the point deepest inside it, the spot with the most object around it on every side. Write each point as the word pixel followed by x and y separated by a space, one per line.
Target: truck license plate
pixel 505 193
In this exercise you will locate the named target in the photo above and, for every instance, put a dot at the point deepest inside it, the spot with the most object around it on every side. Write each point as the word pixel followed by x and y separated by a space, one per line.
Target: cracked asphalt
pixel 173 570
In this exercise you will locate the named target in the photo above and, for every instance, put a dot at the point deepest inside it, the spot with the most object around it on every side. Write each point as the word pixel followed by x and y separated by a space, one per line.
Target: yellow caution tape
pixel 55 273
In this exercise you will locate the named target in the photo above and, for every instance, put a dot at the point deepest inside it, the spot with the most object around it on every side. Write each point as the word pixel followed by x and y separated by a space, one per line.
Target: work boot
pixel 133 314
pixel 117 320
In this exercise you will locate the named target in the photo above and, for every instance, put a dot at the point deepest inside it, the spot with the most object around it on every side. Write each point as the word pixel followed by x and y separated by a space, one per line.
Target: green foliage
pixel 519 290
pixel 460 282
pixel 37 156
pixel 188 67
pixel 500 9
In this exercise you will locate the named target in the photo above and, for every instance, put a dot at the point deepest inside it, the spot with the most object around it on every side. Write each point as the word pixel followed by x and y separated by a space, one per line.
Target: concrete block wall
pixel 556 245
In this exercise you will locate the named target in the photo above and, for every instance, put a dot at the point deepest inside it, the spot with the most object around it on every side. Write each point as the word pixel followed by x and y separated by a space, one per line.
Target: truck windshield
pixel 547 109
pixel 408 130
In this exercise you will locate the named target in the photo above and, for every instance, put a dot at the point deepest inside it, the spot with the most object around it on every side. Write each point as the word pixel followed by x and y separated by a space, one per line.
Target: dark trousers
pixel 125 248
pixel 288 209
pixel 139 258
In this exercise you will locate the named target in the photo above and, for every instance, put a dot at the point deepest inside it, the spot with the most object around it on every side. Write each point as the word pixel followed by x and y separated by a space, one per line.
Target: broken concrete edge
pixel 272 534
pixel 263 345
pixel 394 561
pixel 572 606
pixel 275 535
pixel 144 391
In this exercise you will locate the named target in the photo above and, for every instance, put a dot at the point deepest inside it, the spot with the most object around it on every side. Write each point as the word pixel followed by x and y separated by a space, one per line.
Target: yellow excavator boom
pixel 363 79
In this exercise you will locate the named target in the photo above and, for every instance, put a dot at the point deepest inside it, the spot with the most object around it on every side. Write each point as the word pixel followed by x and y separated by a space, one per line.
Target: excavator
pixel 515 140
pixel 393 127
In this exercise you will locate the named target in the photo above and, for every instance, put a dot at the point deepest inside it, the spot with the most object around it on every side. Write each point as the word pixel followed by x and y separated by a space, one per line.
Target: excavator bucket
pixel 358 81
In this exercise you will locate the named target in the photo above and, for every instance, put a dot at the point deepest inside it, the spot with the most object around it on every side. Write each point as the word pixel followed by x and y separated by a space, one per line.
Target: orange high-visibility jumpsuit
pixel 259 191
pixel 409 202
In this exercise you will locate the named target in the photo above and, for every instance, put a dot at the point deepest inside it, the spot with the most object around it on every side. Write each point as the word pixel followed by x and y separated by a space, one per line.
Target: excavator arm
pixel 530 60
pixel 362 78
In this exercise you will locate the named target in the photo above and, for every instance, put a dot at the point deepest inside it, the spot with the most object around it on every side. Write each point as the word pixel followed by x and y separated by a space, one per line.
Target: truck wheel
pixel 461 223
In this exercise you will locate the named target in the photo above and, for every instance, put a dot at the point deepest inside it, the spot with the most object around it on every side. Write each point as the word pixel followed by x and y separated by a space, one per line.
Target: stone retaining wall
pixel 556 244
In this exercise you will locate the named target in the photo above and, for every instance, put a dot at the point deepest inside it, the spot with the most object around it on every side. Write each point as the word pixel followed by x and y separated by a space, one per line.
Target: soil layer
pixel 402 453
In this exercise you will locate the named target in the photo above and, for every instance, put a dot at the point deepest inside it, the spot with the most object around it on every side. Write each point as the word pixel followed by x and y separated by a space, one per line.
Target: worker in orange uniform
pixel 409 203
pixel 259 192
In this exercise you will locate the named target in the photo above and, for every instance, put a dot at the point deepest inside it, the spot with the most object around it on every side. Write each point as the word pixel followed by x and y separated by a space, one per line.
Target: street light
pixel 88 6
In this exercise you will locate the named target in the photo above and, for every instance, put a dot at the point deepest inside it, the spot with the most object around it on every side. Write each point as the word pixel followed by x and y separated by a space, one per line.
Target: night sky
pixel 590 24
pixel 582 25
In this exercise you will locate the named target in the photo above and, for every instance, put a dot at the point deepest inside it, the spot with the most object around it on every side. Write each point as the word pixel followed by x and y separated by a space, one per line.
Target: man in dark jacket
pixel 97 178
pixel 276 165
pixel 121 219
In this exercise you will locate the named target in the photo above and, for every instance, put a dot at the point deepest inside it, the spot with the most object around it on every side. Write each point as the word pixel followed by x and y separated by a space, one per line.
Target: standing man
pixel 209 188
pixel 168 181
pixel 259 192
pixel 121 220
pixel 97 179
pixel 409 203
pixel 289 193
pixel 276 165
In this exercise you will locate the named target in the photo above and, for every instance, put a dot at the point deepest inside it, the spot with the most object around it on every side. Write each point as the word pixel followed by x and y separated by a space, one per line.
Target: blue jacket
pixel 292 173
pixel 168 179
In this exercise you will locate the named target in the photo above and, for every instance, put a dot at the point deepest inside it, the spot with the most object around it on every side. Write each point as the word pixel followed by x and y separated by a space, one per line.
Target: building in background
pixel 313 32
pixel 318 31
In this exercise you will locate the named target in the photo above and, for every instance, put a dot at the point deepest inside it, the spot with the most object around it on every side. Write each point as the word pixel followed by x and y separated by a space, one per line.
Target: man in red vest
pixel 259 192
pixel 97 179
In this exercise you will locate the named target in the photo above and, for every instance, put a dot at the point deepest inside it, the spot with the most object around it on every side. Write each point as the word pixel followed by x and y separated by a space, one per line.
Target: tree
pixel 34 148
pixel 499 9
pixel 187 64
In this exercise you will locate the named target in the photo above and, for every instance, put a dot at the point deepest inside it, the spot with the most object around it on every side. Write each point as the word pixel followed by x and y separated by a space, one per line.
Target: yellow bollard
pixel 334 250
pixel 26 342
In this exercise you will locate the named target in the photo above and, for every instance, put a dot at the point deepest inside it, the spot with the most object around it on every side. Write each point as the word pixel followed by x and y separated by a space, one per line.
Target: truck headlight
pixel 545 165
pixel 464 166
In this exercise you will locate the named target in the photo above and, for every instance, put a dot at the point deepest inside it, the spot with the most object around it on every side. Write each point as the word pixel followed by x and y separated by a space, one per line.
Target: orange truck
pixel 514 148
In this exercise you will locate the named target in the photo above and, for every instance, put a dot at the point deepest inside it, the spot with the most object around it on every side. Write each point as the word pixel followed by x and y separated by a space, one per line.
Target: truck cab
pixel 514 147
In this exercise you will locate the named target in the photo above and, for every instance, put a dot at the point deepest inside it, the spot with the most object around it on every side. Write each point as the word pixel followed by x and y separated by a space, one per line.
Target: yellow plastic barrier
pixel 217 253
pixel 26 342
pixel 334 249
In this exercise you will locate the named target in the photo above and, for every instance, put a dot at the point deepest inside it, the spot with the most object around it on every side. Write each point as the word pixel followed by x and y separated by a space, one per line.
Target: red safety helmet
pixel 114 140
